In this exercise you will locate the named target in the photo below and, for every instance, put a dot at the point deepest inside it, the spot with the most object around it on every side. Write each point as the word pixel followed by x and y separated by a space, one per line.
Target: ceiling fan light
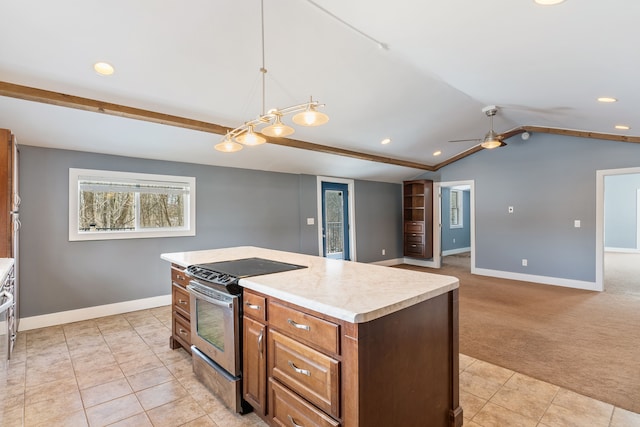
pixel 491 141
pixel 250 137
pixel 310 117
pixel 277 129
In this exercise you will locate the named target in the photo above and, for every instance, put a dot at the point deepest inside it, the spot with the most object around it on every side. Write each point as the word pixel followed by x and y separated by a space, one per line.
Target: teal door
pixel 335 220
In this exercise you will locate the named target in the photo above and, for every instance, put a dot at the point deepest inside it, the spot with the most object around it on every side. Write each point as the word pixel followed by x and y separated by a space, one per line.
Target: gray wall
pixel 461 235
pixel 378 227
pixel 620 211
pixel 233 207
pixel 550 181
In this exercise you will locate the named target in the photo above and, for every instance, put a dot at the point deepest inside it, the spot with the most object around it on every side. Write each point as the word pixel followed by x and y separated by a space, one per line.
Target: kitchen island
pixel 347 344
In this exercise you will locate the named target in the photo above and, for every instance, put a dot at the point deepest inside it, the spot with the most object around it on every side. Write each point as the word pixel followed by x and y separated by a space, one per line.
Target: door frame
pixel 437 225
pixel 351 207
pixel 600 187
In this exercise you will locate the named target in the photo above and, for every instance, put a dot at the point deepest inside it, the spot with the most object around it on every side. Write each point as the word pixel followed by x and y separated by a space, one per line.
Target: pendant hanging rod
pixel 263 70
pixel 248 134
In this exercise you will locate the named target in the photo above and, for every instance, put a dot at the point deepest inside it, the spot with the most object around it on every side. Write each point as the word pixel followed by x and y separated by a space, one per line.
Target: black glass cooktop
pixel 226 274
pixel 249 267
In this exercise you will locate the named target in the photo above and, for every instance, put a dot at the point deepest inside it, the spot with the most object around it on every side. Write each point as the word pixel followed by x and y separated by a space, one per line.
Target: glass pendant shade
pixel 228 146
pixel 250 138
pixel 277 129
pixel 310 117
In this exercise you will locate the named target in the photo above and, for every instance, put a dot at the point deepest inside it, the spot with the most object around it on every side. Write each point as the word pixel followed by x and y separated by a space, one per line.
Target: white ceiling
pixel 543 66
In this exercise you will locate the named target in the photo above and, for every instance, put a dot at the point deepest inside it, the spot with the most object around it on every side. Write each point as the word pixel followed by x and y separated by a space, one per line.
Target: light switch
pixel 576 223
pixel 310 221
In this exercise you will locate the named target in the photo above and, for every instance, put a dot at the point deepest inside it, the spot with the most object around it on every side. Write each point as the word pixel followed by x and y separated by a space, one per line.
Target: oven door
pixel 215 326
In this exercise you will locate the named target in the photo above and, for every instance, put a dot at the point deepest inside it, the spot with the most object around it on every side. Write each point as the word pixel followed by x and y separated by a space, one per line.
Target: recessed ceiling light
pixel 103 68
pixel 548 2
pixel 623 127
pixel 437 153
pixel 607 99
pixel 385 141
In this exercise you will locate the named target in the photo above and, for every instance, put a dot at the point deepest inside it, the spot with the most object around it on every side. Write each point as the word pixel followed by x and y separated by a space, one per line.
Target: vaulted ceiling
pixel 543 66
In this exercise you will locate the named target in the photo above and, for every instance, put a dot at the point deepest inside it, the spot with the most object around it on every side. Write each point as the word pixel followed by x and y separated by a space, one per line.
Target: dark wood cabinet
pixel 181 310
pixel 254 353
pixel 399 369
pixel 417 216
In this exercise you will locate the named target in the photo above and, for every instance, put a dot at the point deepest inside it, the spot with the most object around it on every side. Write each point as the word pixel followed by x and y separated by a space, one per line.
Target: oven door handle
pixel 197 294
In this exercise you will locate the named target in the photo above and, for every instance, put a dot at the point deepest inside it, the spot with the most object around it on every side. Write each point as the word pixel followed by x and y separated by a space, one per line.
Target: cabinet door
pixel 289 410
pixel 254 384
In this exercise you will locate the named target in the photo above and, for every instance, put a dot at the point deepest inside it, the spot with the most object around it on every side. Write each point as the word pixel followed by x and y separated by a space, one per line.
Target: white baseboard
pixel 456 251
pixel 62 317
pixel 419 262
pixel 545 280
pixel 623 250
pixel 389 262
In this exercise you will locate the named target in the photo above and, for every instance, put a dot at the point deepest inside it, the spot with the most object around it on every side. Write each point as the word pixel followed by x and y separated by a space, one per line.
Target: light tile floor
pixel 120 371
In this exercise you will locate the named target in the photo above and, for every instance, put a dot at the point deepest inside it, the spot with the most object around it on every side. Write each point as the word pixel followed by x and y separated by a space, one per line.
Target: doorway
pixel 617 243
pixel 335 228
pixel 454 231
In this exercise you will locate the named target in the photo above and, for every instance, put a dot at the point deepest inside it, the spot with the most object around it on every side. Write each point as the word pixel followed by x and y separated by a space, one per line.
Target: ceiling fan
pixel 491 139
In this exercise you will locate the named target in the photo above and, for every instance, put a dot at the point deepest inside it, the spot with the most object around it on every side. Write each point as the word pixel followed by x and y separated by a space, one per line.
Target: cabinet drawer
pixel 414 238
pixel 413 249
pixel 181 301
pixel 288 409
pixel 179 277
pixel 313 375
pixel 181 330
pixel 254 306
pixel 413 227
pixel 305 327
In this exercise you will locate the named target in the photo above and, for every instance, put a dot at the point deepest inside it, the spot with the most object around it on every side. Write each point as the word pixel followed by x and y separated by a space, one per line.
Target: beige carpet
pixel 584 341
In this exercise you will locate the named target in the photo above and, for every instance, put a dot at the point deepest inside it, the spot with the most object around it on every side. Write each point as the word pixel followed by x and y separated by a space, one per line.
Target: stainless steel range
pixel 216 323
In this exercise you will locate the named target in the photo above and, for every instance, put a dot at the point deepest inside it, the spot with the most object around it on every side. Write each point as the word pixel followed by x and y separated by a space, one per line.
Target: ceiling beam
pixel 581 134
pixel 70 101
pixel 86 104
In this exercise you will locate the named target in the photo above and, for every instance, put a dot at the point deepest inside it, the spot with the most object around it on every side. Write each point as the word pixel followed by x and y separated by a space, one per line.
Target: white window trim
pixel 74 195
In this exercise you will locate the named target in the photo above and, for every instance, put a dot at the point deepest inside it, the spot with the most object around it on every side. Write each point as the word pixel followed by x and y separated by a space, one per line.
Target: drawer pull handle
pixel 182 331
pixel 299 325
pixel 179 277
pixel 298 370
pixel 260 346
pixel 252 306
pixel 293 422
pixel 183 302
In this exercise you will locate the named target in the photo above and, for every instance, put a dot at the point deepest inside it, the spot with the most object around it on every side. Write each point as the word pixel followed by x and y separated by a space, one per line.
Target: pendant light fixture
pixel 228 145
pixel 305 115
pixel 278 129
pixel 310 117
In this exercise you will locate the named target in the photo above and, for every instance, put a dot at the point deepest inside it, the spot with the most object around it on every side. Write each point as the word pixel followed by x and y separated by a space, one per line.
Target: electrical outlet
pixel 524 262
pixel 384 252
pixel 310 221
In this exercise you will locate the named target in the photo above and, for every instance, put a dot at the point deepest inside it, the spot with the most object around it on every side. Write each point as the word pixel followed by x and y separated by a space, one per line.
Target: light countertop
pixel 351 291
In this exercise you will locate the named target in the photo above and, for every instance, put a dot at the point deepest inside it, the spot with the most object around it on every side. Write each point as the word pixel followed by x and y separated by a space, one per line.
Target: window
pixel 121 205
pixel 455 209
